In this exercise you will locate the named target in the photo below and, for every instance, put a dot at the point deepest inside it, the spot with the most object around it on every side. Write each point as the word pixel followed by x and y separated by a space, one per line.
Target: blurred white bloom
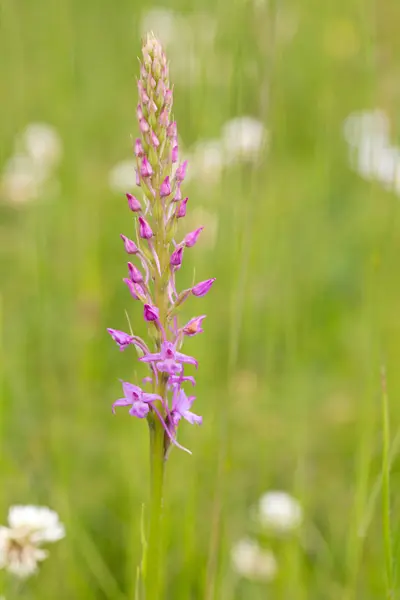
pixel 27 175
pixel 370 152
pixel 243 138
pixel 186 39
pixel 366 125
pixel 163 21
pixel 122 177
pixel 279 512
pixel 207 160
pixel 42 143
pixel 253 562
pixel 29 527
pixel 22 180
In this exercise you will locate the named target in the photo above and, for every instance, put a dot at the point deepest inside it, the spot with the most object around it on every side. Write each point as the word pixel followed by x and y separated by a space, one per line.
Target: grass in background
pixel 304 312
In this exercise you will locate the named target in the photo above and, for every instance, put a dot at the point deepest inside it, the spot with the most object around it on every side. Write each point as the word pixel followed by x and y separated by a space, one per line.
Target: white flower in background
pixel 243 138
pixel 279 512
pixel 370 153
pixel 42 143
pixel 20 542
pixel 253 562
pixel 207 160
pixel 22 181
pixel 28 174
pixel 122 177
pixel 163 21
pixel 366 125
pixel 187 38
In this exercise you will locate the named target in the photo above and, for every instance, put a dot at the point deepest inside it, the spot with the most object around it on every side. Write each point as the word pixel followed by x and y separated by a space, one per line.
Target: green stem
pixel 387 533
pixel 154 544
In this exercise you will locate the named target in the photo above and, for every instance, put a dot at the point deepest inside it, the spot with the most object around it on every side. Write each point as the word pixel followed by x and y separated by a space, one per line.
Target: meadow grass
pixel 304 314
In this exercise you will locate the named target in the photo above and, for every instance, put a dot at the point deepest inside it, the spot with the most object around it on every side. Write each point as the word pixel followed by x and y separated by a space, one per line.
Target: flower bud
pixel 174 154
pixel 194 326
pixel 164 117
pixel 181 210
pixel 165 188
pixel 150 313
pixel 145 168
pixel 130 245
pixel 135 274
pixel 154 139
pixel 145 230
pixel 139 152
pixel 139 112
pixel 143 125
pixel 133 203
pixel 137 178
pixel 160 91
pixel 178 193
pixel 168 97
pixel 202 288
pixel 191 238
pixel 181 171
pixel 176 258
pixel 172 130
pixel 132 288
pixel 142 93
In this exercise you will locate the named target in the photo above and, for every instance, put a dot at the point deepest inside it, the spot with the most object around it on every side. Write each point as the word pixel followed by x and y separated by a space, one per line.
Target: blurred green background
pixel 304 313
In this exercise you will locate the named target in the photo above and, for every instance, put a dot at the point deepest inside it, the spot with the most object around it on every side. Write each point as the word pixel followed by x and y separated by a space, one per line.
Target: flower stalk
pixel 162 398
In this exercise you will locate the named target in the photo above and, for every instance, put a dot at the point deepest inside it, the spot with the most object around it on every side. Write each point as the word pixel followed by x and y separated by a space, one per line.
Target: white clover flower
pixel 163 21
pixel 279 512
pixel 29 527
pixel 122 177
pixel 207 160
pixel 253 562
pixel 243 138
pixel 22 181
pixel 366 125
pixel 370 152
pixel 42 143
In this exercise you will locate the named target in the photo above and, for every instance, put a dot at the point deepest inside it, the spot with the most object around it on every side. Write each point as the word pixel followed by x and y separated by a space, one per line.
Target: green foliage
pixel 304 312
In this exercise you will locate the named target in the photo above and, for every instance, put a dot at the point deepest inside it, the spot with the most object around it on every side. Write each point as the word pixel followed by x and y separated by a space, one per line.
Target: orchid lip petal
pixel 186 359
pixel 121 402
pixel 151 357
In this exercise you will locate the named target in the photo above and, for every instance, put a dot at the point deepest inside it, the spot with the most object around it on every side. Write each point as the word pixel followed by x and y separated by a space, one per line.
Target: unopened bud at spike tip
pixel 163 120
pixel 145 230
pixel 131 287
pixel 191 238
pixel 144 126
pixel 145 168
pixel 172 130
pixel 178 193
pixel 139 152
pixel 181 210
pixel 181 171
pixel 168 97
pixel 176 257
pixel 150 313
pixel 202 288
pixel 135 274
pixel 154 140
pixel 130 246
pixel 165 188
pixel 133 203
